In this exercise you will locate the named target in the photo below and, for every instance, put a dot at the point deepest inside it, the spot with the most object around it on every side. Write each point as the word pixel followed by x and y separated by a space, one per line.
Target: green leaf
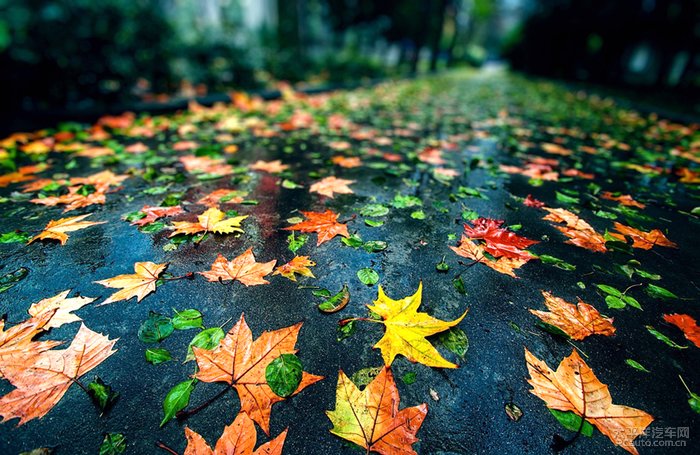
pixel 614 302
pixel 374 210
pixel 554 330
pixel 156 328
pixel 354 241
pixel 15 237
pixel 156 356
pixel 294 243
pixel 364 376
pixel 206 339
pixel 661 337
pixel 442 266
pixel 458 284
pixel 177 399
pixel 374 223
pixel 561 197
pixel 187 319
pixel 609 290
pixel 133 216
pixel 418 215
pixel 636 365
pixel 10 279
pixel 374 246
pixel 102 394
pixel 113 444
pixel 368 276
pixel 556 262
pixel 409 378
pixel 288 184
pixel 469 214
pixel 694 402
pixel 152 228
pixel 283 375
pixel 455 340
pixel 400 201
pixel 572 422
pixel 345 330
pixel 337 302
pixel 658 292
pixel 631 301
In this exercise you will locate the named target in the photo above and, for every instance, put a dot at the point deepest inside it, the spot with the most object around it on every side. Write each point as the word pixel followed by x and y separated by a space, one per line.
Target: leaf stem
pixel 188 275
pixel 685 385
pixel 161 445
pixel 182 415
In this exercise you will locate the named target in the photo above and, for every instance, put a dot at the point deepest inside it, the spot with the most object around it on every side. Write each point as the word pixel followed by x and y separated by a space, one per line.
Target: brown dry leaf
pixel 574 387
pixel 687 324
pixel 214 198
pixel 325 224
pixel 239 438
pixel 73 200
pixel 576 321
pixel 62 308
pixel 18 341
pixel 471 250
pixel 331 185
pixel 210 221
pixel 153 213
pixel 624 199
pixel 138 285
pixel 299 265
pixel 643 240
pixel 206 165
pixel 347 162
pixel 22 174
pixel 242 268
pixel 579 232
pixel 42 380
pixel 104 178
pixel 56 229
pixel 241 362
pixel 273 167
pixel 371 417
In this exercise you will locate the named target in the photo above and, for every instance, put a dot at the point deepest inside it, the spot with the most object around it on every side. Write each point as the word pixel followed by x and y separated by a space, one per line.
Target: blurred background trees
pixel 87 54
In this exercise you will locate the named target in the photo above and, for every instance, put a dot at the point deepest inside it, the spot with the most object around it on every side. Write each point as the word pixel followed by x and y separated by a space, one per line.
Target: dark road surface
pixel 477 122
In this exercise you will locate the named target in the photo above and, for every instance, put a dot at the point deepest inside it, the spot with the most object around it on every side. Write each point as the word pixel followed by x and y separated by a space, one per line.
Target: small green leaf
pixel 156 356
pixel 374 246
pixel 283 375
pixel 609 290
pixel 631 301
pixel 206 339
pixel 661 337
pixel 337 302
pixel 102 394
pixel 418 215
pixel 364 376
pixel 572 422
pixel 296 242
pixel 636 365
pixel 177 399
pixel 374 223
pixel 455 340
pixel 658 292
pixel 15 237
pixel 10 279
pixel 442 266
pixel 614 302
pixel 156 328
pixel 354 241
pixel 556 262
pixel 345 330
pixel 187 319
pixel 374 210
pixel 409 378
pixel 113 444
pixel 368 276
pixel 458 284
pixel 153 228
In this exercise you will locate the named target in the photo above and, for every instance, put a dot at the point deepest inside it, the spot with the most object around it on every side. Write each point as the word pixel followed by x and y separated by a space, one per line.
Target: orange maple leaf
pixel 325 224
pixel 347 161
pixel 241 362
pixel 104 178
pixel 641 239
pixel 138 284
pixel 579 232
pixel 242 268
pixel 471 250
pixel 56 229
pixel 206 165
pixel 214 198
pixel 574 387
pixel 61 308
pixel 42 382
pixel 330 185
pixel 624 199
pixel 18 341
pixel 687 324
pixel 239 438
pixel 153 213
pixel 273 167
pixel 576 321
pixel 371 417
pixel 300 265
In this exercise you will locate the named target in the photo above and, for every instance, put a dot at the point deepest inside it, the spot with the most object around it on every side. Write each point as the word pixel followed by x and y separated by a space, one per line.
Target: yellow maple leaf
pixel 56 229
pixel 210 221
pixel 138 284
pixel 406 330
pixel 62 306
pixel 300 265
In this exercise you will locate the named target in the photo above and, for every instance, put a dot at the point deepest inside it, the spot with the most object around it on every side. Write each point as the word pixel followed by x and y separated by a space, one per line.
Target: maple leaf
pixel 241 362
pixel 214 198
pixel 138 285
pixel 574 387
pixel 22 174
pixel 579 232
pixel 624 199
pixel 643 240
pixel 206 165
pixel 371 418
pixel 300 265
pixel 499 241
pixel 687 324
pixel 239 438
pixel 346 161
pixel 56 229
pixel 210 221
pixel 153 213
pixel 73 199
pixel 104 178
pixel 576 321
pixel 325 224
pixel 406 330
pixel 61 307
pixel 42 382
pixel 330 185
pixel 273 167
pixel 242 268
pixel 530 201
pixel 18 341
pixel 471 250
